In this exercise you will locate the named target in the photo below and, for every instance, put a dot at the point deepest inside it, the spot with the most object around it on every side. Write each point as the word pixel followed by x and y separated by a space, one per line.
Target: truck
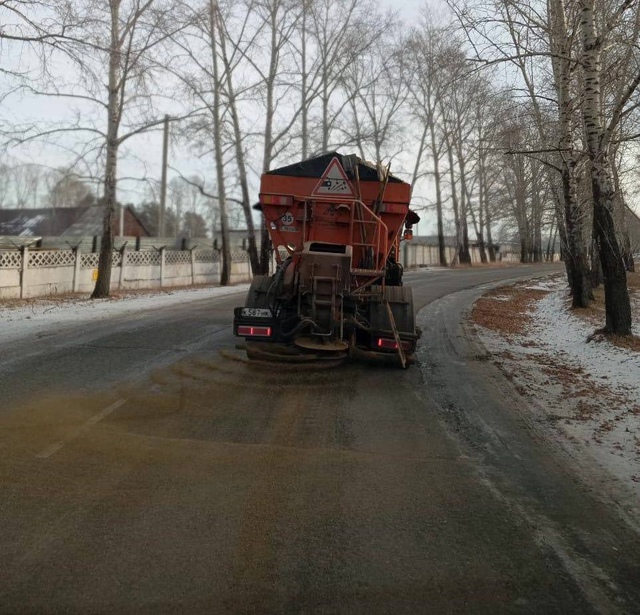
pixel 336 223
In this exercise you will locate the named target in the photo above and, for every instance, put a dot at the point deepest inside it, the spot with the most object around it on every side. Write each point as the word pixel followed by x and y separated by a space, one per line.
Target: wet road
pixel 206 485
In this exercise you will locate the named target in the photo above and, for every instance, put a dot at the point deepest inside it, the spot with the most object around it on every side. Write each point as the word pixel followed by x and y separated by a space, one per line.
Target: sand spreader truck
pixel 336 223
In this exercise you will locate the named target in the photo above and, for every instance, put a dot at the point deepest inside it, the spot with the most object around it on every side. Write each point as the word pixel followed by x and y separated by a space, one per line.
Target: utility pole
pixel 163 181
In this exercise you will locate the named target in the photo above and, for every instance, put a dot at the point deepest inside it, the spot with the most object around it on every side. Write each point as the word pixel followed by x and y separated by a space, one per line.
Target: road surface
pixel 146 469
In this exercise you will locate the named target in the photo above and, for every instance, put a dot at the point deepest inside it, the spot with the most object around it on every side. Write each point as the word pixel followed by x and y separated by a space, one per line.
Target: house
pixel 65 222
pixel 18 226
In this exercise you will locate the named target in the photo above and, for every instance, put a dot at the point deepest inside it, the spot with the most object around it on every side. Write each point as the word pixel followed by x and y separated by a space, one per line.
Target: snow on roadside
pixel 567 335
pixel 585 389
pixel 39 316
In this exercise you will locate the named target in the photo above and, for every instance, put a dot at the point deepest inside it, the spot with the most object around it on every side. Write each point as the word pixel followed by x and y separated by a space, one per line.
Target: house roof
pixel 84 221
pixel 87 224
pixel 48 221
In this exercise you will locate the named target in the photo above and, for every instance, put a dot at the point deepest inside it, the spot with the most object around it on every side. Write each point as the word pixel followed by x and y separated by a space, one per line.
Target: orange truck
pixel 336 223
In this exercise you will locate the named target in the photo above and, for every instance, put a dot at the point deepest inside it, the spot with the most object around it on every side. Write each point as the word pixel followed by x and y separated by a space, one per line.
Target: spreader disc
pixel 321 345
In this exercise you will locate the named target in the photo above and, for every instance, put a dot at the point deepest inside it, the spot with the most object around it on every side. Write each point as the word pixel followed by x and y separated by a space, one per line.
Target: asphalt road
pixel 145 468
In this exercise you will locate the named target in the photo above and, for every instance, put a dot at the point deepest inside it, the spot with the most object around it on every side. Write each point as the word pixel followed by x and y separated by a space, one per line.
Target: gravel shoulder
pixel 582 389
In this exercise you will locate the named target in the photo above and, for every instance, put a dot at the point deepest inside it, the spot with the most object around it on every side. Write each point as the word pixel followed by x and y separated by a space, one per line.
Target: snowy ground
pixel 585 389
pixel 38 316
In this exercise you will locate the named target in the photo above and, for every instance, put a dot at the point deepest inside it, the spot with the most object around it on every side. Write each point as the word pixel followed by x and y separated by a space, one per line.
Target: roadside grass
pixel 507 310
pixel 584 385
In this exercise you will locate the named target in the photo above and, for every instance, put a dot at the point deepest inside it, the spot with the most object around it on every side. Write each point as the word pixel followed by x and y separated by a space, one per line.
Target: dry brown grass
pixel 507 309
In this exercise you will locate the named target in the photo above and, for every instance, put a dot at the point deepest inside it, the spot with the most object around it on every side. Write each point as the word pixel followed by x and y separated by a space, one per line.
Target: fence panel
pixel 10 259
pixel 49 272
pixel 51 258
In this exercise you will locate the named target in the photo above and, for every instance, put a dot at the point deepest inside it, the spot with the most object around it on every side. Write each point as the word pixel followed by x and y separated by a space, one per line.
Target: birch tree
pixel 217 134
pixel 599 131
pixel 230 59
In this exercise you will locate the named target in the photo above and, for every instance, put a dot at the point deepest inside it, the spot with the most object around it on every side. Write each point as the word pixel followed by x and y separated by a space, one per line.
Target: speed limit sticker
pixel 287 218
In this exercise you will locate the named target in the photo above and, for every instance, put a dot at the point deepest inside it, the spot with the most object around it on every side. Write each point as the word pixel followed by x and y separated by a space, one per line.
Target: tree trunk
pixel 576 258
pixel 225 269
pixel 435 153
pixel 325 113
pixel 573 247
pixel 304 80
pixel 252 248
pixel 465 253
pixel 492 247
pixel 477 227
pixel 103 283
pixel 454 201
pixel 617 304
pixel 536 215
pixel 552 242
pixel 267 158
pixel 482 195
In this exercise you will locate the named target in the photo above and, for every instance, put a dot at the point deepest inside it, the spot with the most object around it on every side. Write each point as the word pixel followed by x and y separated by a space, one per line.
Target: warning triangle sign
pixel 334 182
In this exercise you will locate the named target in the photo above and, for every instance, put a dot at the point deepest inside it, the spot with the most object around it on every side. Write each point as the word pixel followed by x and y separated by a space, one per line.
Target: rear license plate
pixel 256 312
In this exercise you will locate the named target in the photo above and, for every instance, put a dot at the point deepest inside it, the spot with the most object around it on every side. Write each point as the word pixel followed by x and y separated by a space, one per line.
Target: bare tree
pixel 5 183
pixel 342 32
pixel 114 48
pixel 426 50
pixel 217 145
pixel 375 85
pixel 31 29
pixel 65 188
pixel 599 131
pixel 26 180
pixel 230 59
pixel 539 46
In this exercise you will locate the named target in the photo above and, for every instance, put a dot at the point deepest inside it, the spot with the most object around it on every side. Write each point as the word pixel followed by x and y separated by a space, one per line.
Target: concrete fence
pixel 35 273
pixel 414 255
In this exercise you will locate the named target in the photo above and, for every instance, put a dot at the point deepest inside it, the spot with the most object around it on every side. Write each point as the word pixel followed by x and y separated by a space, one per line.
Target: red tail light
pixel 247 331
pixel 388 344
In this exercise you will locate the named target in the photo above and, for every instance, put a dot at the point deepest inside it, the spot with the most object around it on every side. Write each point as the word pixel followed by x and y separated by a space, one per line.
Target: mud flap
pixel 400 300
pixel 256 313
pixel 257 297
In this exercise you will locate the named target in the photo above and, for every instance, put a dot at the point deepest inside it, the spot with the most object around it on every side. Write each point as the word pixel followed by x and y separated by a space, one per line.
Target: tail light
pixel 249 331
pixel 390 344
